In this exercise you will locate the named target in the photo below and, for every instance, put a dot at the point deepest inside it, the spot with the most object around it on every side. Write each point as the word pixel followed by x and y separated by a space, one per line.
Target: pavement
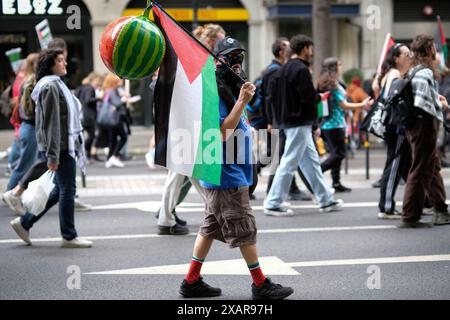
pixel 348 254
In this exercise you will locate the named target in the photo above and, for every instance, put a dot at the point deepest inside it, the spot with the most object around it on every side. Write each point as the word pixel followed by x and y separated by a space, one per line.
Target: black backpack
pixel 400 102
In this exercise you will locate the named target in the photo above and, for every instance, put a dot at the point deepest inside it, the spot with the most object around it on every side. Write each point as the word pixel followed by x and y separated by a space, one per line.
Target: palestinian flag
pixel 323 109
pixel 441 43
pixel 186 106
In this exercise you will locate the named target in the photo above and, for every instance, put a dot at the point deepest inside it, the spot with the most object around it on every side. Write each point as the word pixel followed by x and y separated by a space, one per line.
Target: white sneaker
pixel 82 207
pixel 279 212
pixel 14 202
pixel 389 215
pixel 20 230
pixel 108 164
pixel 335 205
pixel 150 158
pixel 115 162
pixel 76 243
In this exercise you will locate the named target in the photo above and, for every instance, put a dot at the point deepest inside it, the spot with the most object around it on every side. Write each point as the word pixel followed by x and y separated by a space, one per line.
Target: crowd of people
pixel 55 130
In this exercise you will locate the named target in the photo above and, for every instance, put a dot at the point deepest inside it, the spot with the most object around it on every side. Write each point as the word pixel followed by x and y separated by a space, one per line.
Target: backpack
pixel 6 102
pixel 400 103
pixel 256 111
pixel 28 105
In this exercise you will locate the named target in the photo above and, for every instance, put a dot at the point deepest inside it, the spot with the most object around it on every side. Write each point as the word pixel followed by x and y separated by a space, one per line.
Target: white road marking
pixel 262 231
pixel 271 265
pixel 406 259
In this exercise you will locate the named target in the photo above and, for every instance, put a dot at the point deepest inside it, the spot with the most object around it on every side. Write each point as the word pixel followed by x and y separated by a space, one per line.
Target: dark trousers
pixel 336 144
pixel 90 140
pixel 117 139
pixel 424 177
pixel 64 193
pixel 398 163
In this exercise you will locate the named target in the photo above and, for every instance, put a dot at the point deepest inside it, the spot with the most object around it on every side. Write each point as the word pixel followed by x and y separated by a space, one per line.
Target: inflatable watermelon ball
pixel 132 47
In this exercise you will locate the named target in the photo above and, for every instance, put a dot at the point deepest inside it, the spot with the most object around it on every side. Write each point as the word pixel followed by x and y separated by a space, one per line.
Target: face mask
pixel 234 59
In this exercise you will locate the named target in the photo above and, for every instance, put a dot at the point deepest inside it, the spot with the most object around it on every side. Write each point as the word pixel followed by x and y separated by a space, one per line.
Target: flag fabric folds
pixel 323 109
pixel 441 43
pixel 187 129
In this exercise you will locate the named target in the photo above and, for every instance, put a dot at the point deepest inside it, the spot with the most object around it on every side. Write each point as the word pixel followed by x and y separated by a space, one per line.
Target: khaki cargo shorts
pixel 229 217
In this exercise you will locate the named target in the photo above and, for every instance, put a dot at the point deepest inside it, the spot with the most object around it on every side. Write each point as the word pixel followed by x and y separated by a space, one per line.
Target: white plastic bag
pixel 36 196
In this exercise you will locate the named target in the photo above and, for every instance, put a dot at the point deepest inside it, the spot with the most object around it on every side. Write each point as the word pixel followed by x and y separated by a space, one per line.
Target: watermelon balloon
pixel 132 47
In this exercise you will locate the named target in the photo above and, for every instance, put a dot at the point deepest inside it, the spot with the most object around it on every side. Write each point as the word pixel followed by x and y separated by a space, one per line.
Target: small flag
pixel 44 33
pixel 441 44
pixel 388 43
pixel 323 109
pixel 186 101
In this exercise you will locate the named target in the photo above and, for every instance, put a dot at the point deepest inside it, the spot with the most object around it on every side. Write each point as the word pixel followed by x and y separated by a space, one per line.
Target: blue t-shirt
pixel 337 118
pixel 237 169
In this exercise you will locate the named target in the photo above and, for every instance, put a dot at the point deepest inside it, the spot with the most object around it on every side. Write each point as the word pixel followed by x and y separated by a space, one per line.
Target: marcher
pixel 229 216
pixel 295 97
pixel 424 177
pixel 27 135
pixel 177 185
pixel 398 161
pixel 281 52
pixel 333 127
pixel 60 142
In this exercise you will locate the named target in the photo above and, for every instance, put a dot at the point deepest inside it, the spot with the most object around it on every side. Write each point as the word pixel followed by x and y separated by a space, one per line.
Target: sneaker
pixel 108 164
pixel 76 243
pixel 440 218
pixel 178 220
pixel 82 207
pixel 389 215
pixel 279 212
pixel 299 196
pixel 14 202
pixel 340 188
pixel 20 230
pixel 176 230
pixel 270 291
pixel 115 162
pixel 377 184
pixel 335 205
pixel 150 158
pixel 198 289
pixel 427 211
pixel 415 224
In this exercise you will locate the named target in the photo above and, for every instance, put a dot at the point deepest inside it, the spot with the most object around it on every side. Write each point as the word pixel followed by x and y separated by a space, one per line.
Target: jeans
pixel 28 153
pixel 14 154
pixel 64 193
pixel 299 151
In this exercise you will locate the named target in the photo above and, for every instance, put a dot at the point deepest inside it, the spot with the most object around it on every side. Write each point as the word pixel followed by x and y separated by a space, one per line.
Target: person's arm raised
pixel 231 121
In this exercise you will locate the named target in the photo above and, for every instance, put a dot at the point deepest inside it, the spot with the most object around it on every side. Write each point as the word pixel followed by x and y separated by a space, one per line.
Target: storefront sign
pixel 27 7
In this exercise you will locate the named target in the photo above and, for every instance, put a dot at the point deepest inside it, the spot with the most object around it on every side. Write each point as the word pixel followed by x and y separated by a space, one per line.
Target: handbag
pixel 108 114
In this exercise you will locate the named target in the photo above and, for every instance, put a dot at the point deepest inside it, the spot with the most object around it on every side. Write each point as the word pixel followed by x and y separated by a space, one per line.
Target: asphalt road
pixel 348 254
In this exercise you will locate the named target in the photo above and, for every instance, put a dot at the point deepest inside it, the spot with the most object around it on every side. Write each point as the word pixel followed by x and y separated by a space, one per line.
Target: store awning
pixel 203 14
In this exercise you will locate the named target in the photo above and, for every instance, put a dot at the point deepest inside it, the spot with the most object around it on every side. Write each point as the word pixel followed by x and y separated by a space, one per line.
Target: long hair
pixel 31 64
pixel 389 63
pixel 328 78
pixel 421 48
pixel 208 34
pixel 46 62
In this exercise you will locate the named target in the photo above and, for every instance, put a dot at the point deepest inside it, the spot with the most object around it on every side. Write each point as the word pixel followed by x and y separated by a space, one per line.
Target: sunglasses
pixel 234 58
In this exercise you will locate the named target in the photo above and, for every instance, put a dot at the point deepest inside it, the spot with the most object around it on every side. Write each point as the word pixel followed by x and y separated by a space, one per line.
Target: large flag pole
pixel 383 53
pixel 151 3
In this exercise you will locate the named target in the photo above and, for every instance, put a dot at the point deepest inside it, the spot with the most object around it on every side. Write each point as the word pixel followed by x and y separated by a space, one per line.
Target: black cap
pixel 226 45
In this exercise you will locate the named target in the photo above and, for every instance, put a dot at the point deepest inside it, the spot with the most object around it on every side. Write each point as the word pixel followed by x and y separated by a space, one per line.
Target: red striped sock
pixel 257 274
pixel 194 270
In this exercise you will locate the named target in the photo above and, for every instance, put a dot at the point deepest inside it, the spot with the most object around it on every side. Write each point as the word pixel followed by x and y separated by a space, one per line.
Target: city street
pixel 348 254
